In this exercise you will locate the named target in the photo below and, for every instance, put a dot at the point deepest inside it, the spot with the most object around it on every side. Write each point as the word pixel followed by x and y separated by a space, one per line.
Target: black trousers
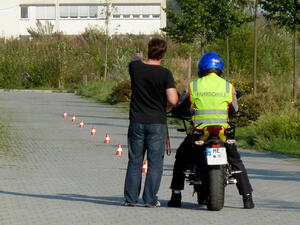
pixel 183 154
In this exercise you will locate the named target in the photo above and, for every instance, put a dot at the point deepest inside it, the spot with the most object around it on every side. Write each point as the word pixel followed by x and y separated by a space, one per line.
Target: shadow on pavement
pixel 103 117
pixel 274 175
pixel 278 205
pixel 262 154
pixel 107 125
pixel 104 200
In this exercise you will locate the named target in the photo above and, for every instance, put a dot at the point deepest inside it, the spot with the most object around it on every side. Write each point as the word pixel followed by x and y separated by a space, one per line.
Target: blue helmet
pixel 210 60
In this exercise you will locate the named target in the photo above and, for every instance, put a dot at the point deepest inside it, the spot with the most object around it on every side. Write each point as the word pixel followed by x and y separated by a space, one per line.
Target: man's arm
pixel 172 96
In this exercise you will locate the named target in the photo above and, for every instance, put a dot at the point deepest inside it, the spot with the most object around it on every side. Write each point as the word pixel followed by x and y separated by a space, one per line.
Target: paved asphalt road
pixel 52 172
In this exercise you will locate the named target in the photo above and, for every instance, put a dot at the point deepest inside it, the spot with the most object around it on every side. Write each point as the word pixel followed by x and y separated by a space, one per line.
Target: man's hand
pixel 137 56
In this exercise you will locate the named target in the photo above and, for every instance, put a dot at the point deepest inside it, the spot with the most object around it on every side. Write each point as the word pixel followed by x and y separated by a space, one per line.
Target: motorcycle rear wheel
pixel 216 182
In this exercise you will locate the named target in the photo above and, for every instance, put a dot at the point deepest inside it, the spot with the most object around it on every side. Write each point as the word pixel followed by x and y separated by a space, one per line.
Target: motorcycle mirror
pixel 239 94
pixel 181 130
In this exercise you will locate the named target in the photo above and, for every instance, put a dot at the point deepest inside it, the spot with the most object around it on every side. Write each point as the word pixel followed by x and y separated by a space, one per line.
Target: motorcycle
pixel 208 170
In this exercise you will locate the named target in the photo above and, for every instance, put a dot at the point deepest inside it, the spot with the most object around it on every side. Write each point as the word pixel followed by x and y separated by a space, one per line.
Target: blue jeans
pixel 142 137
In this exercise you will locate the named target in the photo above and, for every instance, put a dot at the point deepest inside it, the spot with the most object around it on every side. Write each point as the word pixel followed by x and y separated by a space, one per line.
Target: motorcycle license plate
pixel 216 156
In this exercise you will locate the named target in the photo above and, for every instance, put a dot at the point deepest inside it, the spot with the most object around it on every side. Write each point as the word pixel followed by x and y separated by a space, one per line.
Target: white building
pixel 74 16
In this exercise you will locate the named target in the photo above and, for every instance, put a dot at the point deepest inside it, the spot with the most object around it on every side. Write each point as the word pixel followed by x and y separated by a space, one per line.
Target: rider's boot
pixel 248 201
pixel 175 200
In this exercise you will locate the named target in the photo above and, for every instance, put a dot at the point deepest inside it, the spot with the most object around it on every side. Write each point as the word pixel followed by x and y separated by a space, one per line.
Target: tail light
pixel 216 146
pixel 214 130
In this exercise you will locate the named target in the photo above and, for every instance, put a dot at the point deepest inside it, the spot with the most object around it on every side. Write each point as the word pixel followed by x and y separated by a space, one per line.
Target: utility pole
pixel 107 33
pixel 255 47
pixel 295 55
pixel 57 16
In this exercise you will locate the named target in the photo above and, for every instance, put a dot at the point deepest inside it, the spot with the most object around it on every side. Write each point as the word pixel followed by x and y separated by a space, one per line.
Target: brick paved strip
pixel 60 174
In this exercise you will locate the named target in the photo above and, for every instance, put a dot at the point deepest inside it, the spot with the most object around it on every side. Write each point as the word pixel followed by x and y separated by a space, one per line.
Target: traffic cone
pixel 65 115
pixel 119 150
pixel 145 167
pixel 107 139
pixel 93 130
pixel 73 118
pixel 81 124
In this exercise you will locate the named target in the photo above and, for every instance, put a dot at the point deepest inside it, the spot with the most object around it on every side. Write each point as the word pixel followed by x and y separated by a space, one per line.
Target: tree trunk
pixel 106 56
pixel 227 57
pixel 255 47
pixel 295 66
pixel 107 34
pixel 189 75
pixel 84 80
pixel 202 46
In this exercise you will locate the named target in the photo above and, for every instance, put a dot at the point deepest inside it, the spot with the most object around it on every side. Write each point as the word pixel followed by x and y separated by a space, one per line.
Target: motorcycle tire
pixel 216 182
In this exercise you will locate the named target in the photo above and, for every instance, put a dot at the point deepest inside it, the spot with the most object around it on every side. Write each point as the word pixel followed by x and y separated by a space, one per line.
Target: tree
pixel 226 14
pixel 255 45
pixel 252 7
pixel 207 19
pixel 285 13
pixel 107 33
pixel 190 22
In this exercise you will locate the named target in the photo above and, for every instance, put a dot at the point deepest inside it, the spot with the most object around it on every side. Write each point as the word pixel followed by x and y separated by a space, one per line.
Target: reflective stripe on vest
pixel 211 121
pixel 211 111
pixel 227 86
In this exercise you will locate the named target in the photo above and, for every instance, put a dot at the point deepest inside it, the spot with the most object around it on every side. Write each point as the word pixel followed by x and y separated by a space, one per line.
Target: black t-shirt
pixel 148 99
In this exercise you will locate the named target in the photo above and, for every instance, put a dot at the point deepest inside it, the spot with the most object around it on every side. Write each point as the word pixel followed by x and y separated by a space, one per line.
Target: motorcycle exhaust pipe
pixel 200 142
pixel 230 141
pixel 231 181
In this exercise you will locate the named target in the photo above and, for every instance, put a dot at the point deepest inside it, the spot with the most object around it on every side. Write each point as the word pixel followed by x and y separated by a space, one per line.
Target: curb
pixel 38 91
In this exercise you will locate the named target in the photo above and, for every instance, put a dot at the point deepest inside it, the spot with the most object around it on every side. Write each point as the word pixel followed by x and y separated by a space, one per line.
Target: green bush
pixel 99 91
pixel 262 103
pixel 279 131
pixel 121 92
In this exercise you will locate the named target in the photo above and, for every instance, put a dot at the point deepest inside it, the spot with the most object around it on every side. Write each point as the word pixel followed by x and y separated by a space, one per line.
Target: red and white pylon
pixel 81 124
pixel 74 118
pixel 119 150
pixel 145 167
pixel 65 115
pixel 93 130
pixel 107 139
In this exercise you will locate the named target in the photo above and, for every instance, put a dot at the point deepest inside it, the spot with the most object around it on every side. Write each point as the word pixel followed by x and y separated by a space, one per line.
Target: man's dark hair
pixel 157 48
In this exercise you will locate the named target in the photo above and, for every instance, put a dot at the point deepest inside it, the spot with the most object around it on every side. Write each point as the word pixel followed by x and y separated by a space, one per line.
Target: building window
pixel 102 11
pixel 136 11
pixel 82 11
pixel 64 11
pixel 45 12
pixel 24 12
pixel 73 11
pixel 93 11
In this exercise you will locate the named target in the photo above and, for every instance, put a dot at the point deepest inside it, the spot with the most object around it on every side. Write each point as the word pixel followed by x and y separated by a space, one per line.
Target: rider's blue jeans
pixel 142 138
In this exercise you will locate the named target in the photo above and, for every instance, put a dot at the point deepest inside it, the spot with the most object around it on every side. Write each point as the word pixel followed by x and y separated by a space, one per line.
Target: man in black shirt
pixel 152 88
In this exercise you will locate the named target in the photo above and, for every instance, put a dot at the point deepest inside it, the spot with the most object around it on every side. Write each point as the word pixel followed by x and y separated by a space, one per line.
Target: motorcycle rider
pixel 212 100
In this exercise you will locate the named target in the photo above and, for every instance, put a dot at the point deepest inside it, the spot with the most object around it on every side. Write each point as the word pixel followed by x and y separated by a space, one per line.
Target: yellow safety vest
pixel 210 97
